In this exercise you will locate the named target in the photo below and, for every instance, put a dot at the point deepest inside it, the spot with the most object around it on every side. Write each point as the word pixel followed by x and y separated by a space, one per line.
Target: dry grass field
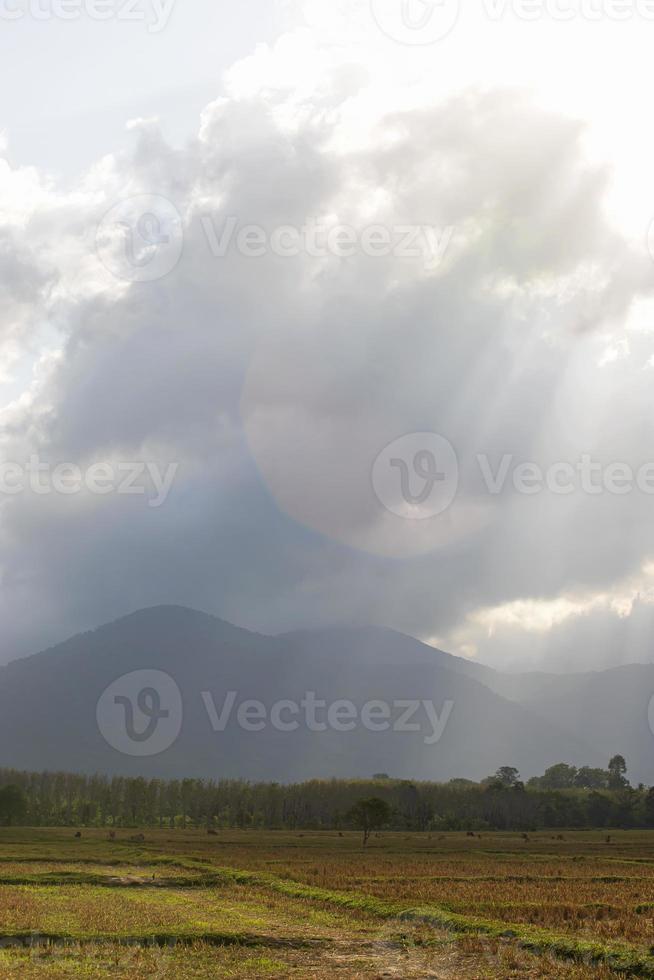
pixel 248 904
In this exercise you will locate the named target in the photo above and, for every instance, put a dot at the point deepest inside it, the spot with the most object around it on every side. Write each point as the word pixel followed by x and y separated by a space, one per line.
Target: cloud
pixel 572 632
pixel 275 382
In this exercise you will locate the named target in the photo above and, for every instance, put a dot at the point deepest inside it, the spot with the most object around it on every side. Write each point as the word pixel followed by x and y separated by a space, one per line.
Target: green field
pixel 316 904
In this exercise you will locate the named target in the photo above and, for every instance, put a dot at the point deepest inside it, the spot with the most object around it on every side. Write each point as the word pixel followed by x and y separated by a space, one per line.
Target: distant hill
pixel 48 705
pixel 607 708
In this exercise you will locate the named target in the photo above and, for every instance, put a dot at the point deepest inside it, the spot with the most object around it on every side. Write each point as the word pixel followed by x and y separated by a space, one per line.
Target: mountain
pixel 609 708
pixel 67 708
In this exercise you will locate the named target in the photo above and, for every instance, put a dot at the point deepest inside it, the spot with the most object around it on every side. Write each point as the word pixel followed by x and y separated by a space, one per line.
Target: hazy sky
pixel 369 289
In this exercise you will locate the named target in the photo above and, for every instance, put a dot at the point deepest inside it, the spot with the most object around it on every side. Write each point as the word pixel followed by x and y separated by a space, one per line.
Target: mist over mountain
pixel 466 720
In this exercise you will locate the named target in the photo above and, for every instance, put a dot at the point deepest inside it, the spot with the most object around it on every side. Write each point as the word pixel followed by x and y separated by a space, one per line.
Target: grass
pixel 311 904
pixel 467 960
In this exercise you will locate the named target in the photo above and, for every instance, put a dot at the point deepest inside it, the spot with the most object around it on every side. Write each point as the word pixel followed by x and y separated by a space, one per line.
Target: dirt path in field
pixel 470 959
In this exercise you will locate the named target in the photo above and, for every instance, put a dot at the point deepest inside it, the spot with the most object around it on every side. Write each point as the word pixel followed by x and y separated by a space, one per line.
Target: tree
pixel 368 815
pixel 493 785
pixel 626 803
pixel 13 805
pixel 507 776
pixel 600 808
pixel 560 776
pixel 649 807
pixel 588 778
pixel 617 769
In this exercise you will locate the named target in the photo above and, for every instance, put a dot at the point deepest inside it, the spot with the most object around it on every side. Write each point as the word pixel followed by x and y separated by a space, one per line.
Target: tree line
pixel 502 802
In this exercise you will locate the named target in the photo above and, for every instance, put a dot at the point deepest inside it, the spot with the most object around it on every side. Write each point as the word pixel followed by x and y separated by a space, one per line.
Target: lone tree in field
pixel 369 815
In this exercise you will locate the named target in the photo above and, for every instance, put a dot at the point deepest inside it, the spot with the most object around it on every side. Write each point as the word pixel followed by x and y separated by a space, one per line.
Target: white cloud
pixel 527 632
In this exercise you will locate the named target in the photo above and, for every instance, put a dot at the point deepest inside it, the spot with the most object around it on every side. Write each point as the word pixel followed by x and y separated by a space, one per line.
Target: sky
pixel 320 313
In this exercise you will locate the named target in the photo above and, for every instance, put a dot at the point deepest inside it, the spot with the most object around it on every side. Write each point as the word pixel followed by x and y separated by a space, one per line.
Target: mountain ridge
pixel 47 721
